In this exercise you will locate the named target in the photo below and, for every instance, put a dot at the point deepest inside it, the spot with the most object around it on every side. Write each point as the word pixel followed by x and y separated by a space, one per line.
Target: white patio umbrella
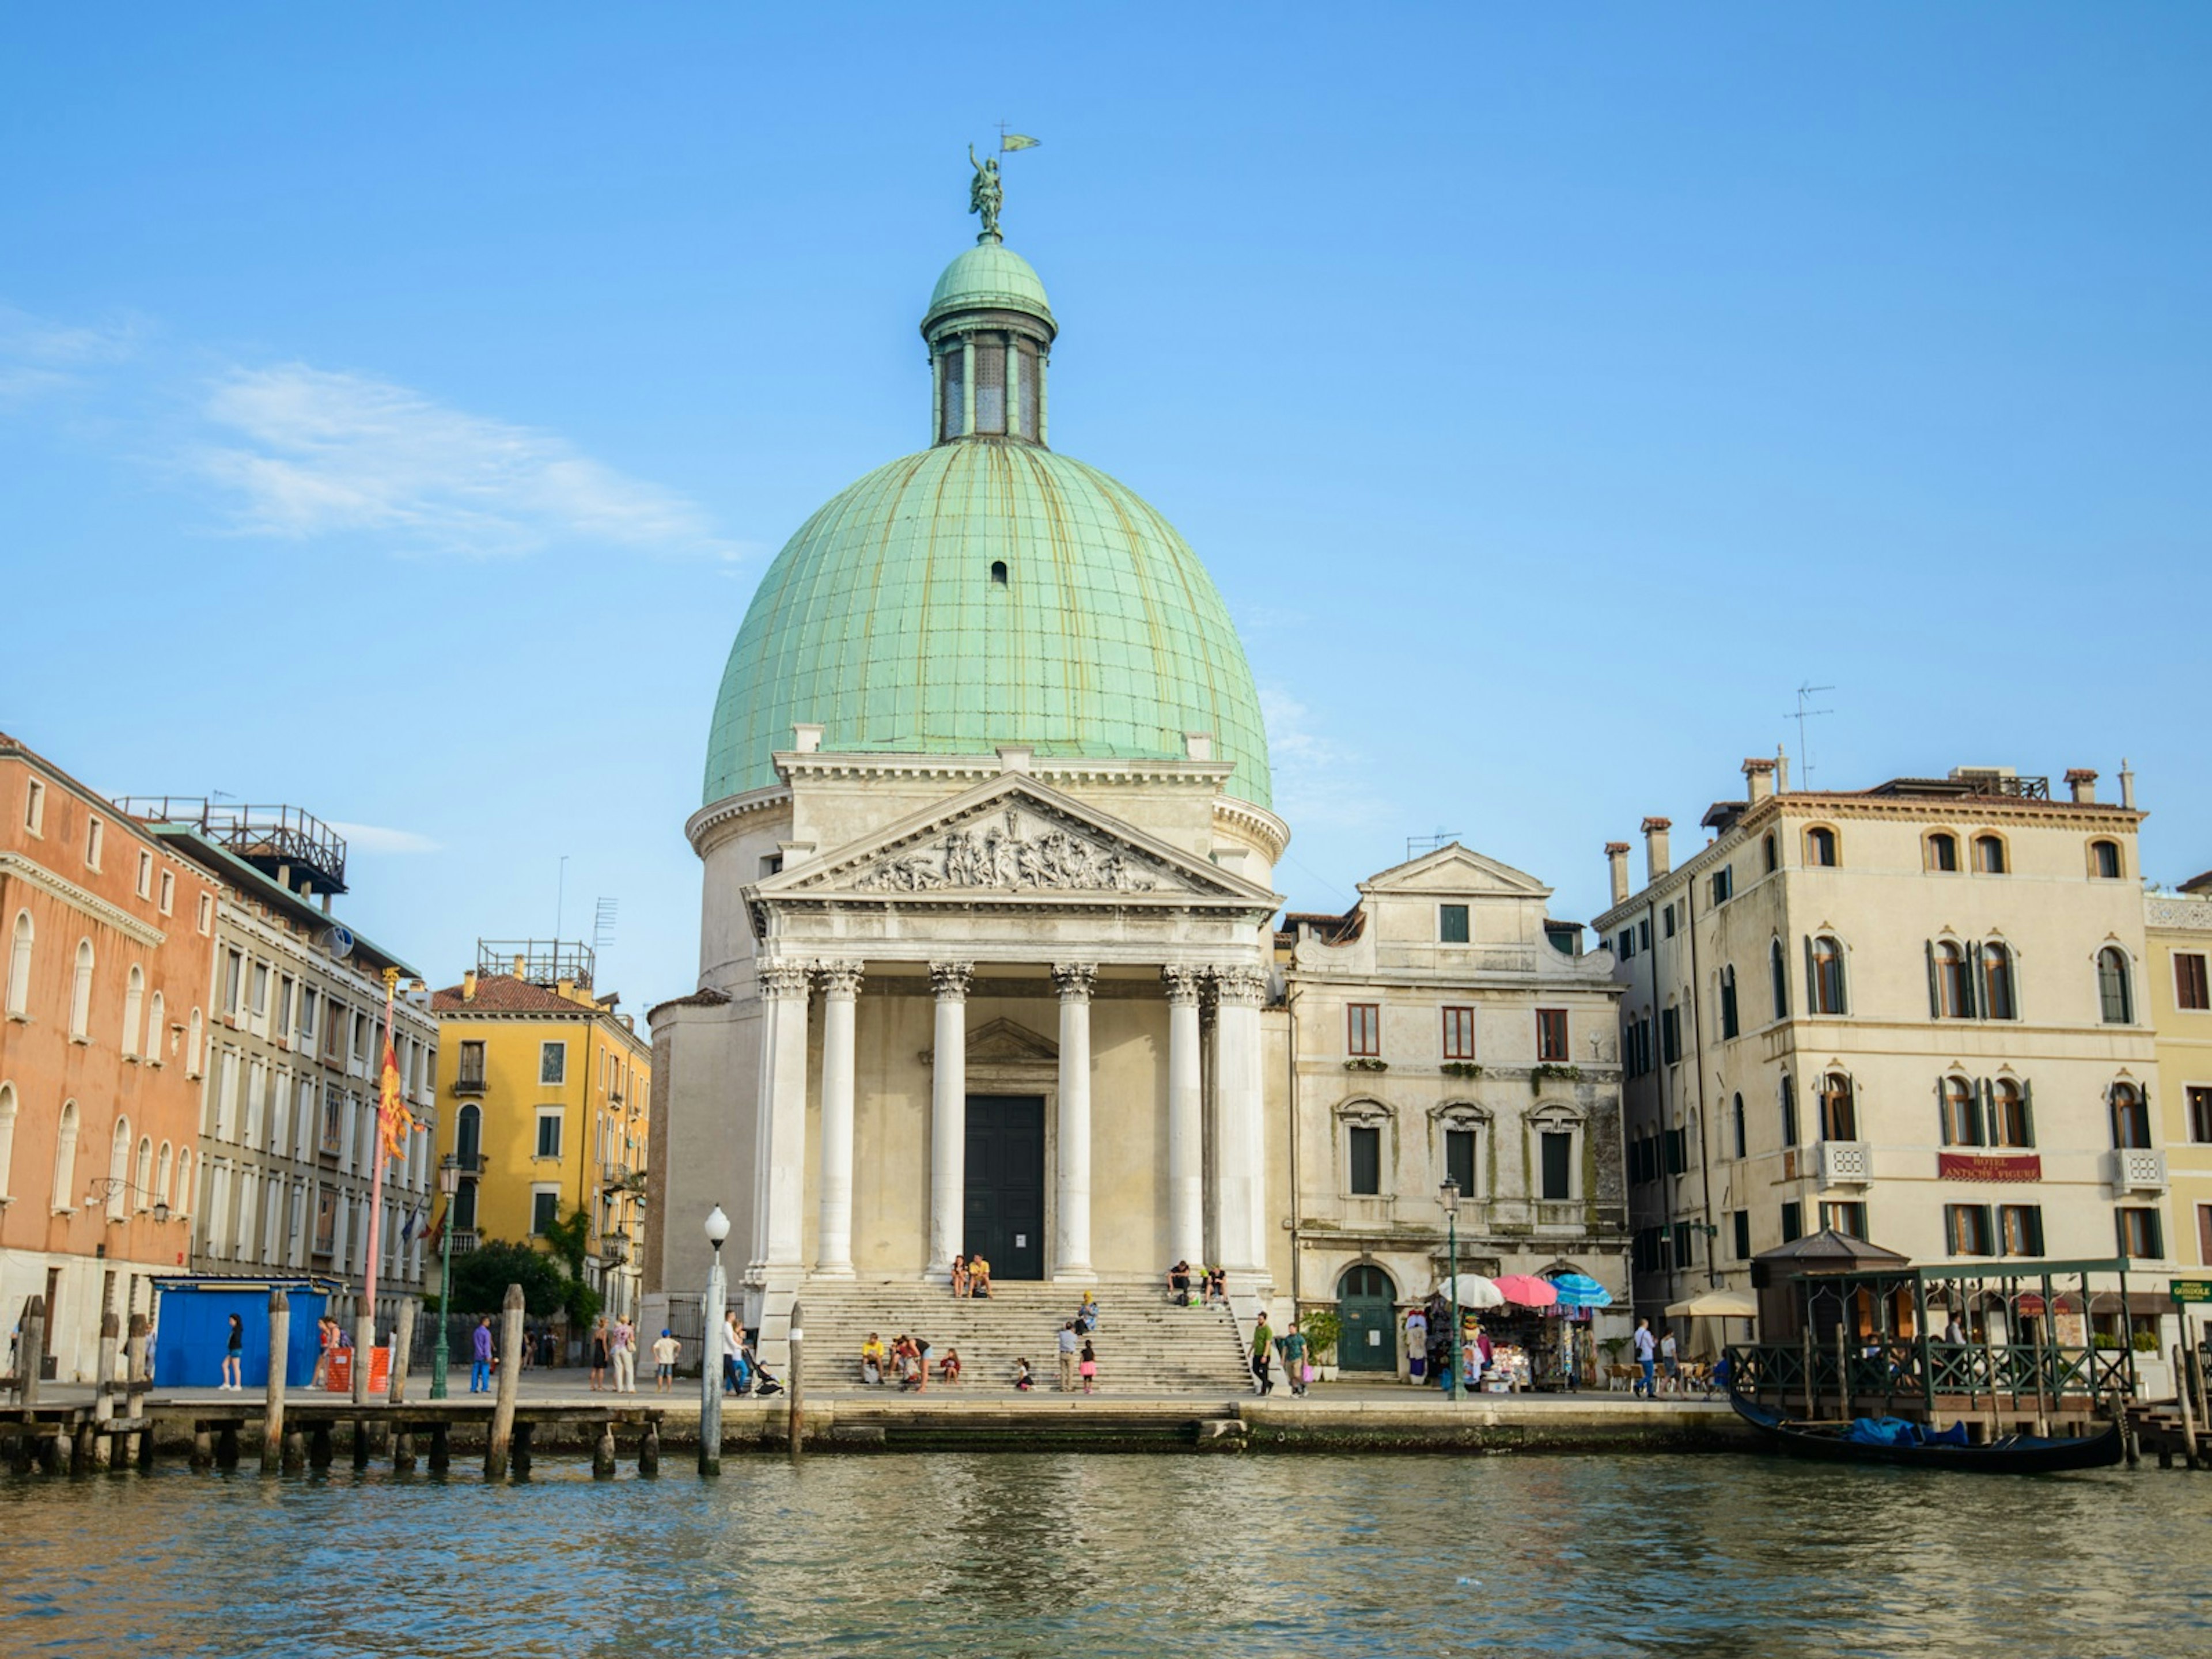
pixel 1474 1291
pixel 1723 1305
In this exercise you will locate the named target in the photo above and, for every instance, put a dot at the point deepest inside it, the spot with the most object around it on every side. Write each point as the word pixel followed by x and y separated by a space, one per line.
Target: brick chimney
pixel 1759 779
pixel 2082 784
pixel 469 986
pixel 520 962
pixel 2127 785
pixel 1616 866
pixel 1655 861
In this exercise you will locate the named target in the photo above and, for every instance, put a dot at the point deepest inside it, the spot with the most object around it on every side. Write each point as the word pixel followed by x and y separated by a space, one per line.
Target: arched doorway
pixel 1367 1307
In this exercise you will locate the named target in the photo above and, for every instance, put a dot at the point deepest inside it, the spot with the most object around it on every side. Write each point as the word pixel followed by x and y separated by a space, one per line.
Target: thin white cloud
pixel 310 452
pixel 1318 781
pixel 39 357
pixel 374 838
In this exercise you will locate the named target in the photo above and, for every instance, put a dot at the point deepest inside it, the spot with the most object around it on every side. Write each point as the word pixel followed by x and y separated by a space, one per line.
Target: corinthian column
pixel 833 1251
pixel 1240 1172
pixel 1071 1240
pixel 779 1224
pixel 948 1117
pixel 1186 1121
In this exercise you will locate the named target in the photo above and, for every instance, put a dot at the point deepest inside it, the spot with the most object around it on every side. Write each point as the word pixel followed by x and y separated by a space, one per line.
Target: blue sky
pixel 397 406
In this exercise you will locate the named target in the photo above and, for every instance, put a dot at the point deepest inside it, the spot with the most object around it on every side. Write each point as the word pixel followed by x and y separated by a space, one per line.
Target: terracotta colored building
pixel 110 952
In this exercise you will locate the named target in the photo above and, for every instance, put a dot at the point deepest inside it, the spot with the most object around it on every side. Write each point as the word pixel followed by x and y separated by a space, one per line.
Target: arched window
pixel 1962 1117
pixel 1997 999
pixel 182 1203
pixel 192 1046
pixel 468 1135
pixel 7 1134
pixel 2012 1124
pixel 81 993
pixel 1778 972
pixel 2105 859
pixel 1821 847
pixel 18 966
pixel 1770 853
pixel 134 1008
pixel 142 1177
pixel 1728 1025
pixel 118 1169
pixel 1742 1127
pixel 1952 983
pixel 1839 1117
pixel 1824 981
pixel 1943 852
pixel 1990 854
pixel 65 1160
pixel 161 1161
pixel 2131 1118
pixel 1789 1111
pixel 157 1029
pixel 2115 990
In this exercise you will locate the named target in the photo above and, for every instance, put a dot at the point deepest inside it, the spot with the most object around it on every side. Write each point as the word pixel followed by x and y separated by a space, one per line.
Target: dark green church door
pixel 1006 1183
pixel 1366 1306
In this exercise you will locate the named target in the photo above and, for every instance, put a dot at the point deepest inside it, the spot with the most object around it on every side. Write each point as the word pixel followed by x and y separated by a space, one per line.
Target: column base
pixel 1081 1274
pixel 844 1275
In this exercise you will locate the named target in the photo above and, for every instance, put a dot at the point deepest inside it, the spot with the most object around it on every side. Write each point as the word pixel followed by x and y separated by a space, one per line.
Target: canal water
pixel 1037 1555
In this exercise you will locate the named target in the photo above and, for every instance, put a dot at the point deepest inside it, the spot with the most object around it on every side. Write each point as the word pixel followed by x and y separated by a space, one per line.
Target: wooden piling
pixel 360 1443
pixel 31 1351
pixel 364 1344
pixel 603 1451
pixel 2188 1409
pixel 525 1434
pixel 441 1450
pixel 319 1446
pixel 795 1423
pixel 138 1447
pixel 648 1450
pixel 498 1447
pixel 53 1458
pixel 1806 1344
pixel 81 1448
pixel 226 1447
pixel 403 1343
pixel 280 1353
pixel 103 1405
pixel 296 1451
pixel 1843 1371
pixel 203 1446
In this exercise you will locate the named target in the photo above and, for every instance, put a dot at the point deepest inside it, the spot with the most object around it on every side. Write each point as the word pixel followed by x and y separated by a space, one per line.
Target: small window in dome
pixel 998 572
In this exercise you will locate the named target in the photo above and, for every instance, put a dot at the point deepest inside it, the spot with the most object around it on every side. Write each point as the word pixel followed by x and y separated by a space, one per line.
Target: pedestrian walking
pixel 233 1355
pixel 600 1355
pixel 664 1349
pixel 1645 1350
pixel 1263 1357
pixel 1671 1363
pixel 733 1353
pixel 1417 1346
pixel 1292 1347
pixel 1089 1367
pixel 1069 1342
pixel 480 1353
pixel 326 1339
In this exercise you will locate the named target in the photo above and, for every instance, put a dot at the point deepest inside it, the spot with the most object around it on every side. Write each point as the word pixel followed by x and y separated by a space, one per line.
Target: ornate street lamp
pixel 710 1363
pixel 1450 1194
pixel 449 1183
pixel 105 1186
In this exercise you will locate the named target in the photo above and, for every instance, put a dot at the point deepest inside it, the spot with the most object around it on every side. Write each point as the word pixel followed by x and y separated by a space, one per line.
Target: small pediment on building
pixel 1014 837
pixel 1453 871
pixel 1002 1042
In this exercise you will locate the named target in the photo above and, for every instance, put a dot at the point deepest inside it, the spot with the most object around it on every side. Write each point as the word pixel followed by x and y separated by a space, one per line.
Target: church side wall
pixel 703 1150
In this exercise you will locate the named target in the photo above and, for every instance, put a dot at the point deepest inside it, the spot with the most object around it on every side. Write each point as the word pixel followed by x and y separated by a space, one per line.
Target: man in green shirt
pixel 1263 1355
pixel 1292 1347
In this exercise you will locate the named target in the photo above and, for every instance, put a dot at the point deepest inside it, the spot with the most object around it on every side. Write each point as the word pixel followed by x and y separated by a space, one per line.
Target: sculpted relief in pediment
pixel 1012 852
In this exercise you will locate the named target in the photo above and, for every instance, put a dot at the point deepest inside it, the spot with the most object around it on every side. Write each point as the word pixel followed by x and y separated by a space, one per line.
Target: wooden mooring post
pixel 31 1351
pixel 280 1353
pixel 402 1342
pixel 795 1423
pixel 498 1447
pixel 103 1406
pixel 2188 1407
pixel 139 1447
pixel 603 1451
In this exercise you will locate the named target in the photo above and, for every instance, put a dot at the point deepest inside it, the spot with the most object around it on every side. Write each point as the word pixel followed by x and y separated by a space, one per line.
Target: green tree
pixel 481 1278
pixel 568 1240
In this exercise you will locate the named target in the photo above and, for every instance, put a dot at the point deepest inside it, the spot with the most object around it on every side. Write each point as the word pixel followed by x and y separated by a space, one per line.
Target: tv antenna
pixel 1806 693
pixel 602 924
pixel 1416 846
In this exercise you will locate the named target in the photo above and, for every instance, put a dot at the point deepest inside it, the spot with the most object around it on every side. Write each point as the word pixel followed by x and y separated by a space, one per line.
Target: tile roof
pixel 503 994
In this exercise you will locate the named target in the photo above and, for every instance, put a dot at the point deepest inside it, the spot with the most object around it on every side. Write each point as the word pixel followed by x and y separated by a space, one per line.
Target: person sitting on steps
pixel 959 1275
pixel 1179 1283
pixel 979 1277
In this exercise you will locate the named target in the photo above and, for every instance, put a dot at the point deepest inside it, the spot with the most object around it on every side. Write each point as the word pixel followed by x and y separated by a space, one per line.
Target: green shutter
pixel 2027 1116
pixel 1812 980
pixel 1968 1004
pixel 1950 1230
pixel 1934 989
pixel 1942 1115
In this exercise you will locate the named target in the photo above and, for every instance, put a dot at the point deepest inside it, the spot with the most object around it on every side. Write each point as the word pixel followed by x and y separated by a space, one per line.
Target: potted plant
pixel 1614 1346
pixel 1322 1328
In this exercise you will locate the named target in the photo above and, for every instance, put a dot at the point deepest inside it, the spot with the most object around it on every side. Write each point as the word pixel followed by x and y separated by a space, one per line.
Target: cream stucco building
pixel 2178 980
pixel 1918 1013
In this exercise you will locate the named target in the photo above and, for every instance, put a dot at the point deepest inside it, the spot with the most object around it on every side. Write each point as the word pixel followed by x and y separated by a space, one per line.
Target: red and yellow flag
pixel 392 1119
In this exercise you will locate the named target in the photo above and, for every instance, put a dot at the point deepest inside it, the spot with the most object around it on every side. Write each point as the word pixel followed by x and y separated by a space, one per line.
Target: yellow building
pixel 543 1089
pixel 2178 941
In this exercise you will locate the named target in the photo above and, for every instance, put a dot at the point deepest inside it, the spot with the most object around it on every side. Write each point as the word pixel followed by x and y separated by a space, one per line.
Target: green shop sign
pixel 2192 1290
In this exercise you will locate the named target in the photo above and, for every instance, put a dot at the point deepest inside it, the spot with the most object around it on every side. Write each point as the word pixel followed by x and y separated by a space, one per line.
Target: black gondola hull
pixel 2015 1454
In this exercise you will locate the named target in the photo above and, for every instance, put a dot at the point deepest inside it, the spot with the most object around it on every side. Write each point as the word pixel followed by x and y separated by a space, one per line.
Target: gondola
pixel 2012 1454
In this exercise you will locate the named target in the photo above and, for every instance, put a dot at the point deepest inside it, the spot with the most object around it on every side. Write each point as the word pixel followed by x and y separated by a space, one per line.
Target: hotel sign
pixel 1980 1166
pixel 2192 1290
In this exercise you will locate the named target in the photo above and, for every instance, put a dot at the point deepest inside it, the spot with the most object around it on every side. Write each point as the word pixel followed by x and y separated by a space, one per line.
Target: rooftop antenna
pixel 560 899
pixel 1806 693
pixel 602 924
pixel 1429 843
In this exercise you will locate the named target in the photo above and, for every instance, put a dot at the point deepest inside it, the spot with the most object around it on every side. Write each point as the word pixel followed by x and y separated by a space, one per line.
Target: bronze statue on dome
pixel 985 192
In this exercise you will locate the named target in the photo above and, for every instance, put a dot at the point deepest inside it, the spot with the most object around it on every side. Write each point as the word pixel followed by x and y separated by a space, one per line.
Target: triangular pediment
pixel 1002 1042
pixel 1014 837
pixel 1454 870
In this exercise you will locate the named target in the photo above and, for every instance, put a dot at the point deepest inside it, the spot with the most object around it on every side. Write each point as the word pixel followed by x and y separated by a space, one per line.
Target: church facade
pixel 987 962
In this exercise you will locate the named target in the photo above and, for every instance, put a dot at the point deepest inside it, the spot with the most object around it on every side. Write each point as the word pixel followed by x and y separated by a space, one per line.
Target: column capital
pixel 1074 980
pixel 781 978
pixel 1240 987
pixel 951 980
pixel 1182 983
pixel 840 981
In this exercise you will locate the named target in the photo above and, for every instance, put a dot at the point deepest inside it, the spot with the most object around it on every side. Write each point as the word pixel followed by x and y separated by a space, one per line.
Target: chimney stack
pixel 2082 784
pixel 520 962
pixel 1616 864
pixel 1759 779
pixel 1655 861
pixel 469 986
pixel 1780 770
pixel 2127 785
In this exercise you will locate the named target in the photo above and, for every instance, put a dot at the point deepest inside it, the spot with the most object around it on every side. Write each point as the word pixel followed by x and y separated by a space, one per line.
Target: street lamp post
pixel 710 1365
pixel 1450 1195
pixel 449 1183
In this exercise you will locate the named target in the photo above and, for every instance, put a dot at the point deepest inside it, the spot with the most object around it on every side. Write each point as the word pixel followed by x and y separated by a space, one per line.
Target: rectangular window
pixel 2139 1234
pixel 233 980
pixel 2200 1113
pixel 1743 1235
pixel 145 875
pixel 1666 921
pixel 206 922
pixel 331 1140
pixel 2021 1228
pixel 552 1062
pixel 544 1209
pixel 1670 1035
pixel 1451 924
pixel 360 1030
pixel 1363 1155
pixel 1363 1029
pixel 34 808
pixel 168 890
pixel 1627 943
pixel 990 387
pixel 1742 1127
pixel 2204 1233
pixel 1459 1034
pixel 1728 1023
pixel 1459 1158
pixel 1793 1222
pixel 1967 1230
pixel 1678 1152
pixel 95 837
pixel 1643 934
pixel 1558 1150
pixel 1684 1245
pixel 327 1220
pixel 307 1029
pixel 2190 988
pixel 258 996
pixel 472 1072
pixel 1551 1035
pixel 1723 884
pixel 1848 1219
pixel 548 1134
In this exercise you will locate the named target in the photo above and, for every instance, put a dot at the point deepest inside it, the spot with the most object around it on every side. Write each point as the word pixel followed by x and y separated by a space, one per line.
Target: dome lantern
pixel 990 333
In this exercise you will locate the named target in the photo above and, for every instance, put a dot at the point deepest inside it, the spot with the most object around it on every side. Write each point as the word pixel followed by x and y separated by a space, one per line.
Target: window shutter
pixel 1950 1230
pixel 2027 1118
pixel 1812 980
pixel 1943 1114
pixel 1986 1105
pixel 1968 1004
pixel 1935 990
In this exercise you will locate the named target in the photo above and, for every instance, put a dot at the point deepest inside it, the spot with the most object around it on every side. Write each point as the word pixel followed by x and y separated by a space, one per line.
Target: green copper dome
pixel 989 275
pixel 986 592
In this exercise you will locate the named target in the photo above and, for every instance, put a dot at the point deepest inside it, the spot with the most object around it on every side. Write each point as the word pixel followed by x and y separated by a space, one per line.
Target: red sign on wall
pixel 1980 1166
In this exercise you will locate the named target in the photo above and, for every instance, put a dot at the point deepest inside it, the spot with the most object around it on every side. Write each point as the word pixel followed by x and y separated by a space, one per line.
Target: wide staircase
pixel 1144 1344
